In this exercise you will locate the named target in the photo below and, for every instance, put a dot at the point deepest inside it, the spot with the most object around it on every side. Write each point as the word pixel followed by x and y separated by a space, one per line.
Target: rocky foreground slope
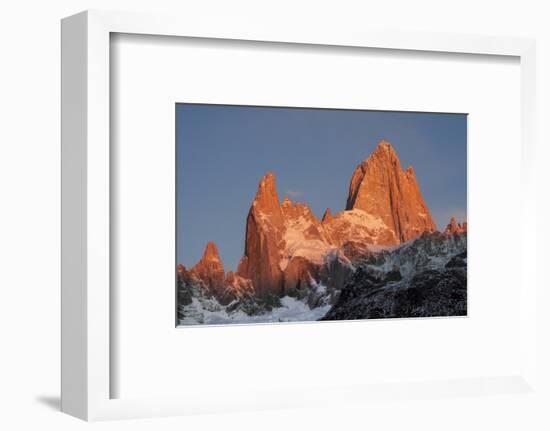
pixel 423 278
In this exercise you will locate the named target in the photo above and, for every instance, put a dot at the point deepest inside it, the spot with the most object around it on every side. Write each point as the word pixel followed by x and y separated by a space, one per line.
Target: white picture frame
pixel 86 311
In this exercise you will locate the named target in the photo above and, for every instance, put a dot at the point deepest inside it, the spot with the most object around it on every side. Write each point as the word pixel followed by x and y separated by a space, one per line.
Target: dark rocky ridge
pixel 435 285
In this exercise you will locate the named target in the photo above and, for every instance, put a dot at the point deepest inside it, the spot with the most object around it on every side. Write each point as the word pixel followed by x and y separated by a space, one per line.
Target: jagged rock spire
pixel 327 216
pixel 264 235
pixel 454 227
pixel 267 201
pixel 210 268
pixel 380 187
pixel 211 252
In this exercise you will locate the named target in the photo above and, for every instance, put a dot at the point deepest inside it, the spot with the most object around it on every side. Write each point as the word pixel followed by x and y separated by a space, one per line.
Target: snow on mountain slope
pixel 359 226
pixel 290 310
pixel 298 243
pixel 430 251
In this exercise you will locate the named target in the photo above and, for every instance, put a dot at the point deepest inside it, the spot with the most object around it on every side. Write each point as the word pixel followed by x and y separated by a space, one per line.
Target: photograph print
pixel 303 214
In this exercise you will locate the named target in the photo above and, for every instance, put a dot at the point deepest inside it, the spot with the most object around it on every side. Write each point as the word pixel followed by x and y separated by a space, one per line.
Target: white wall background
pixel 29 215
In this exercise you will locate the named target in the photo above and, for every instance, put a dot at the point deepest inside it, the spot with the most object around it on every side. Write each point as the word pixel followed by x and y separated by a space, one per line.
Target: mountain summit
pixel 287 248
pixel 264 234
pixel 381 188
pixel 210 269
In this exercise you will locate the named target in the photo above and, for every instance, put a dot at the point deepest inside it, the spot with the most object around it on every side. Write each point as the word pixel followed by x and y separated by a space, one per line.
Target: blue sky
pixel 223 151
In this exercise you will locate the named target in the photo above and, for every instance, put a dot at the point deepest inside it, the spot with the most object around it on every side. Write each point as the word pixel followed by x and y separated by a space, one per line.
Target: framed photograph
pixel 353 237
pixel 262 218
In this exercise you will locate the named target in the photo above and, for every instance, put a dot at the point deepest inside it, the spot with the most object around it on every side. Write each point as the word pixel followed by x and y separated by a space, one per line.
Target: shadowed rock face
pixel 380 187
pixel 423 278
pixel 430 293
pixel 185 296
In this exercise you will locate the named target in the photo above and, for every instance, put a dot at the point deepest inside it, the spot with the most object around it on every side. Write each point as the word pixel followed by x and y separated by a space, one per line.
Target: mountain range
pixel 289 252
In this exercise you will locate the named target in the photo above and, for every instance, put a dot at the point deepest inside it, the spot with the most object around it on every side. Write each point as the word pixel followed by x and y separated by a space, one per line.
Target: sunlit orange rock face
pixel 264 237
pixel 287 247
pixel 381 188
pixel 210 269
pixel 454 227
pixel 237 286
pixel 327 216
